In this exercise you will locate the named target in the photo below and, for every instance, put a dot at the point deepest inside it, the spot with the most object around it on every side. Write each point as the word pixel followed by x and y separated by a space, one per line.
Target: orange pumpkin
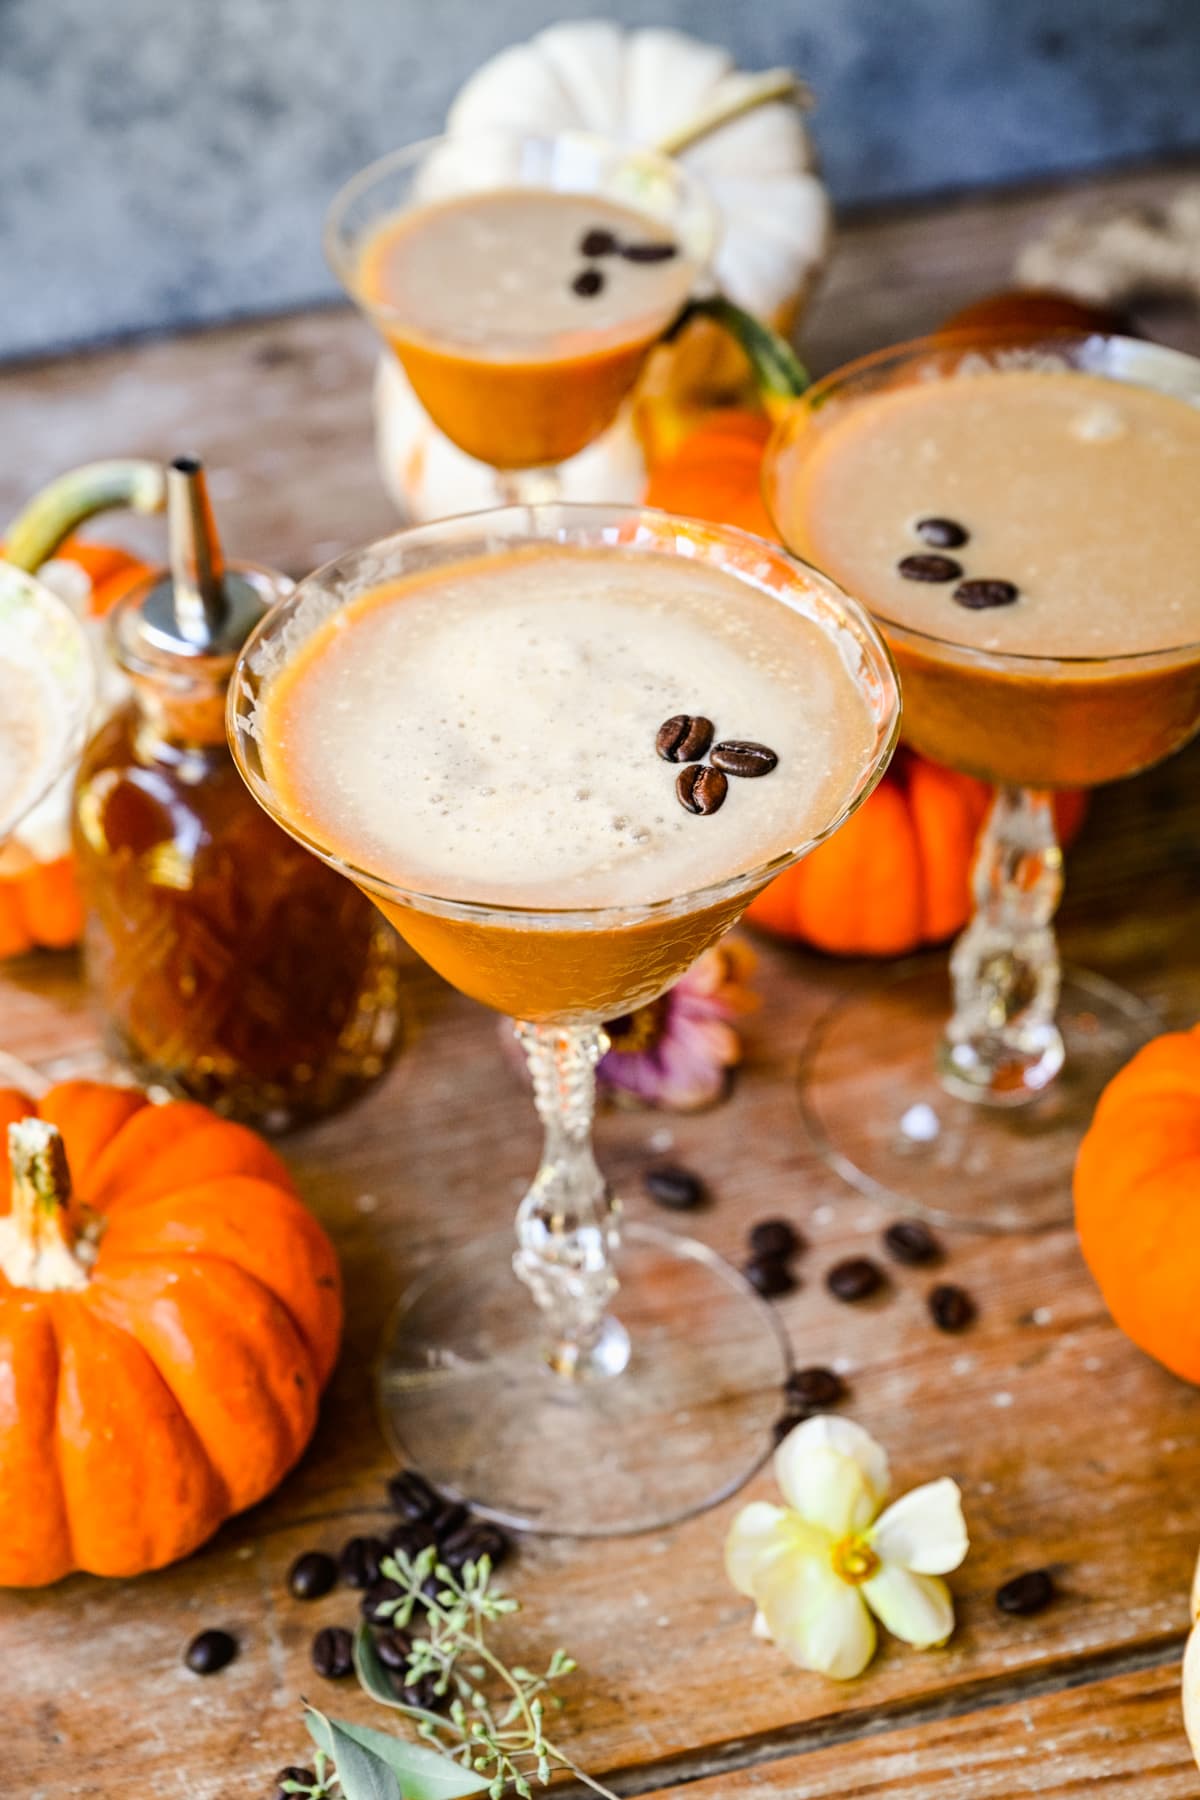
pixel 40 906
pixel 1137 1199
pixel 715 473
pixel 169 1313
pixel 1031 311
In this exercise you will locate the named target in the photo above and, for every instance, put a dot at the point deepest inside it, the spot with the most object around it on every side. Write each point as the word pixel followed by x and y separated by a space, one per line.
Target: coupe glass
pixel 519 406
pixel 608 1377
pixel 989 1104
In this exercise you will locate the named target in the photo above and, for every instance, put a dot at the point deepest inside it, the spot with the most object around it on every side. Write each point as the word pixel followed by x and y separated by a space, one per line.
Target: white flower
pixel 819 1567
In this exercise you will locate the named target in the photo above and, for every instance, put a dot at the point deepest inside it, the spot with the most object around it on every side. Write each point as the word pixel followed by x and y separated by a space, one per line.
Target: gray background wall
pixel 164 162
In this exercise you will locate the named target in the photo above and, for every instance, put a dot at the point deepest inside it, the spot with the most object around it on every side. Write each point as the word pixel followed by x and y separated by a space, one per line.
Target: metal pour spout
pixel 201 600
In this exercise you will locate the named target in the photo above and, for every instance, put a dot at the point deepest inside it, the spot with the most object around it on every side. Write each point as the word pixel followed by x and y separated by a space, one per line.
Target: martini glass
pixel 984 1083
pixel 608 1377
pixel 529 392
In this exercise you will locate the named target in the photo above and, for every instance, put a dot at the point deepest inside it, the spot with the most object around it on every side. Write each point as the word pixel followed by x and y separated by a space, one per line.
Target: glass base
pixel 468 1398
pixel 881 1117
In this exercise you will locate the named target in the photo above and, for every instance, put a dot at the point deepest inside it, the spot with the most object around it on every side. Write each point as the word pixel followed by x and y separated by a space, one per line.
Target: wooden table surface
pixel 1071 1448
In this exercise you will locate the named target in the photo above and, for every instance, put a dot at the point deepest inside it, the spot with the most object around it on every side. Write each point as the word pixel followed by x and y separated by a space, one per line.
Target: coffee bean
pixel 857 1278
pixel 1026 1594
pixel 587 283
pixel 911 1242
pixel 675 1188
pixel 943 534
pixel 304 1778
pixel 951 1308
pixel 769 1276
pixel 929 568
pixel 333 1652
pixel 359 1560
pixel 475 1541
pixel 421 1693
pixel 312 1575
pixel 210 1651
pixel 684 738
pixel 740 756
pixel 411 1538
pixel 701 790
pixel 598 242
pixel 813 1390
pixel 393 1649
pixel 449 1519
pixel 412 1496
pixel 985 592
pixel 649 253
pixel 785 1424
pixel 378 1596
pixel 774 1237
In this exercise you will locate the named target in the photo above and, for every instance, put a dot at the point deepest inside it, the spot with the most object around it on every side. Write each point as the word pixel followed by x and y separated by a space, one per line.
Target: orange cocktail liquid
pixel 520 346
pixel 1079 492
pixel 478 744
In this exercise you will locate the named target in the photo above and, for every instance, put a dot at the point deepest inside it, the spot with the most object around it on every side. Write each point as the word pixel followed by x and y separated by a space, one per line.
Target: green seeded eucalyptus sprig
pixel 490 1738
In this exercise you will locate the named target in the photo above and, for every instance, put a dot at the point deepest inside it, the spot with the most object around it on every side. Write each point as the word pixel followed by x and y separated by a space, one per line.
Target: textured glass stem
pixel 1002 1044
pixel 528 487
pixel 567 1233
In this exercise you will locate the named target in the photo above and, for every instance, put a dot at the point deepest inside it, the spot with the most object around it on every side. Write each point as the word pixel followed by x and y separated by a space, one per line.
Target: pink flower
pixel 679 1052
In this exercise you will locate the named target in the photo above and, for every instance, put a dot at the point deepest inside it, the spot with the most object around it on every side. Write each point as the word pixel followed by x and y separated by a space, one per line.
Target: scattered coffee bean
pixel 701 790
pixel 588 283
pixel 472 1543
pixel 447 1520
pixel 675 1188
pixel 411 1538
pixel 951 1308
pixel 813 1390
pixel 943 534
pixel 376 1597
pixel 739 756
pixel 333 1652
pixel 985 592
pixel 598 242
pixel 911 1242
pixel 649 253
pixel 312 1575
pixel 421 1693
pixel 1026 1594
pixel 929 568
pixel 412 1496
pixel 393 1648
pixel 785 1424
pixel 774 1237
pixel 857 1278
pixel 303 1778
pixel 210 1651
pixel 684 738
pixel 359 1560
pixel 769 1276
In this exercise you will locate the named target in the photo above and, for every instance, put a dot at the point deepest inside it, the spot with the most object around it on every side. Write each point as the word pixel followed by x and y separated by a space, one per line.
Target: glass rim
pixel 853 617
pixel 392 161
pixel 965 342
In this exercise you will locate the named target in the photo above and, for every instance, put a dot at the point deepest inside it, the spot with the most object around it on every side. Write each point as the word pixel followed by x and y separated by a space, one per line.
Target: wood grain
pixel 1072 1449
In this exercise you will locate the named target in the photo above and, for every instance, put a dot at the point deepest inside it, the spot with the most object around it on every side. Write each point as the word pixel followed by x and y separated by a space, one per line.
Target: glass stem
pixel 1002 1044
pixel 528 487
pixel 567 1232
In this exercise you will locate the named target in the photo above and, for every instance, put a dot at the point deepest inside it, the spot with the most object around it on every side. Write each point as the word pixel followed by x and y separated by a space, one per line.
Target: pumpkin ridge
pixel 55 1445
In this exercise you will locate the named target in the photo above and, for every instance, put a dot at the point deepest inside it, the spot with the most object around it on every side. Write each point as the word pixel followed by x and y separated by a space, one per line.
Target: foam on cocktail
pixel 487 731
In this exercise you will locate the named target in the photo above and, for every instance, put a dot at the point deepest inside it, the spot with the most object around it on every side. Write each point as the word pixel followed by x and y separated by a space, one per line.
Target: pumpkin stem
pixel 54 513
pixel 779 374
pixel 37 1241
pixel 758 90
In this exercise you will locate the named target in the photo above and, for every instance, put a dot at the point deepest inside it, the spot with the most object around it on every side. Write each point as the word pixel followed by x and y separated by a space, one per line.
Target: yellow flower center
pixel 638 1031
pixel 854 1560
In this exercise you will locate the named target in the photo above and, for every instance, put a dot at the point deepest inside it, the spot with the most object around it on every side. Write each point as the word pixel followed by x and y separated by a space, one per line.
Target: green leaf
pixel 362 1774
pixel 777 369
pixel 422 1774
pixel 372 1675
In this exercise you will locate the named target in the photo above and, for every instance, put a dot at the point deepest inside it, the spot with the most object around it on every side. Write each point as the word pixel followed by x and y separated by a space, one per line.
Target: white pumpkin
pixel 743 134
pixel 1191 1671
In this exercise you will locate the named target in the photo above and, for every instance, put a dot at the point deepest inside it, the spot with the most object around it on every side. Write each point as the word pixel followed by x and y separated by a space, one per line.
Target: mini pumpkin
pixel 1137 1199
pixel 169 1313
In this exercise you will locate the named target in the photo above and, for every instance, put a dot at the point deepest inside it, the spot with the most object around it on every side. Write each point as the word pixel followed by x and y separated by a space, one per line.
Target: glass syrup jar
pixel 230 965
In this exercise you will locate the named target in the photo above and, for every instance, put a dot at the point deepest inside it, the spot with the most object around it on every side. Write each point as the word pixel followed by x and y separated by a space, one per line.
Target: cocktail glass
pixel 532 1386
pixel 985 1108
pixel 522 408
